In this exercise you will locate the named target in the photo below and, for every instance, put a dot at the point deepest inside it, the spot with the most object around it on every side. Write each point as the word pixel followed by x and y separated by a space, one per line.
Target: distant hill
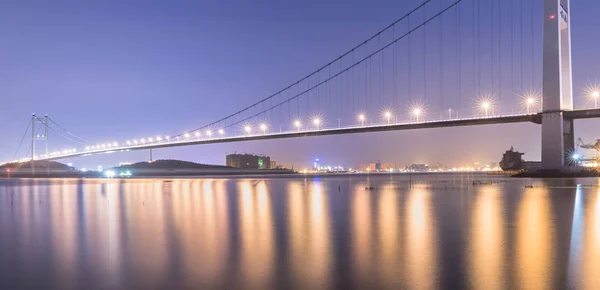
pixel 170 164
pixel 42 169
pixel 38 165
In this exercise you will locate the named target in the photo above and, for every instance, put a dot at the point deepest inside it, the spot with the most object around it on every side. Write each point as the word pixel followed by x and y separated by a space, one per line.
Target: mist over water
pixel 442 231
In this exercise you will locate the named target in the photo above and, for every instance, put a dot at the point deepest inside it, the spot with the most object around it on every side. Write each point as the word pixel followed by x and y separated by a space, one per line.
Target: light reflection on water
pixel 378 232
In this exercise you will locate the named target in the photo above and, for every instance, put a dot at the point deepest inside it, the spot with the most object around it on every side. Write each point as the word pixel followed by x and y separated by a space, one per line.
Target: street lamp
pixel 248 129
pixel 417 113
pixel 530 101
pixel 485 105
pixel 361 117
pixel 297 124
pixel 317 122
pixel 387 115
pixel 263 127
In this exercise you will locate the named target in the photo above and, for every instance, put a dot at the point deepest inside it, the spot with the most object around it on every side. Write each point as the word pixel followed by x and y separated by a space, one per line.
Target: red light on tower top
pixel 552 16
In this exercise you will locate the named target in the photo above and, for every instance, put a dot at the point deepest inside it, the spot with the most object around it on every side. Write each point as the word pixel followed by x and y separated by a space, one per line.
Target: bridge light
pixel 142 140
pixel 197 134
pixel 128 142
pixel 168 138
pixel 263 127
pixel 362 118
pixel 530 98
pixel 115 144
pixel 417 113
pixel 297 123
pixel 186 135
pixel 530 101
pixel 158 138
pixel 208 133
pixel 388 116
pixel 248 129
pixel 317 122
pixel 596 96
pixel 221 132
pixel 87 148
pixel 135 142
pixel 150 139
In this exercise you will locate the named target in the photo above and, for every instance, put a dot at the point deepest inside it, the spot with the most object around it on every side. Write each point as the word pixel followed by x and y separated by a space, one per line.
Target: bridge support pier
pixel 557 131
pixel 558 140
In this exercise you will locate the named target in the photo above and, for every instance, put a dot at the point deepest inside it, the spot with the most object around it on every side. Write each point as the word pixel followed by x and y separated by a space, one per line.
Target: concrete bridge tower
pixel 557 131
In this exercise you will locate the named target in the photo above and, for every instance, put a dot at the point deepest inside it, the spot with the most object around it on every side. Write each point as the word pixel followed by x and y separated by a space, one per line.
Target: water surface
pixel 447 231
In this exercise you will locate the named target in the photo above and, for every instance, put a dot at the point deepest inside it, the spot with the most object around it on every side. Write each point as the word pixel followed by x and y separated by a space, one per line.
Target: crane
pixel 590 146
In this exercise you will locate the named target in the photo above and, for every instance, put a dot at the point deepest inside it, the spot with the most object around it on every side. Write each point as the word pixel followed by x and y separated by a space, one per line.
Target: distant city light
pixel 109 174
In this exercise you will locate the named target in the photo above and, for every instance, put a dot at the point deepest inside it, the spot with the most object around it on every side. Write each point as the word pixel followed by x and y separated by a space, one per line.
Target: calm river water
pixel 444 231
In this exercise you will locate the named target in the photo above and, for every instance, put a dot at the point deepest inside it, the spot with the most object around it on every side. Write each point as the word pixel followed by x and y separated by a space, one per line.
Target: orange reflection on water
pixel 64 236
pixel 309 234
pixel 421 248
pixel 535 241
pixel 362 233
pixel 487 240
pixel 389 252
pixel 256 232
pixel 150 217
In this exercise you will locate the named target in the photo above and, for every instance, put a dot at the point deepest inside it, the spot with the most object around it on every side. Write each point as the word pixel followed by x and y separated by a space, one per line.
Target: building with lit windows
pixel 248 161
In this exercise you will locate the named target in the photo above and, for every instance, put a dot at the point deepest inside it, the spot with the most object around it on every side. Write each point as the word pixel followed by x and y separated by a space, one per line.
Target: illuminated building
pixel 248 161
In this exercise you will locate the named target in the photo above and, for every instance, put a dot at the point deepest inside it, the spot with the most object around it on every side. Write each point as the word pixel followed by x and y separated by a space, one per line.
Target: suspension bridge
pixel 445 63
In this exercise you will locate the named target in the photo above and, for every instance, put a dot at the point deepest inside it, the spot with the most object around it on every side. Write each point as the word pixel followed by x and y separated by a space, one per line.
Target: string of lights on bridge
pixel 485 106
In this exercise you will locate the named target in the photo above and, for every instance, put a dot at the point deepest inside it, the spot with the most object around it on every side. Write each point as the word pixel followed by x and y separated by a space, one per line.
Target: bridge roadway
pixel 504 119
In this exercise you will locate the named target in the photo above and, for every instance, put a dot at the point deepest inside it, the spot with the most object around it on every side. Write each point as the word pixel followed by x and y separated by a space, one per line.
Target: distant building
pixel 377 166
pixel 248 161
pixel 273 164
pixel 418 167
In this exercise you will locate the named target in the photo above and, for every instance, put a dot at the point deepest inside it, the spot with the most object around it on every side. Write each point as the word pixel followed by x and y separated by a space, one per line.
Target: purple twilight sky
pixel 114 70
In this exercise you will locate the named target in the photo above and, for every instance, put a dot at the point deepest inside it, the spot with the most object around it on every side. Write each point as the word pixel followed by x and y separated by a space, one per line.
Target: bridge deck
pixel 535 118
pixel 517 118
